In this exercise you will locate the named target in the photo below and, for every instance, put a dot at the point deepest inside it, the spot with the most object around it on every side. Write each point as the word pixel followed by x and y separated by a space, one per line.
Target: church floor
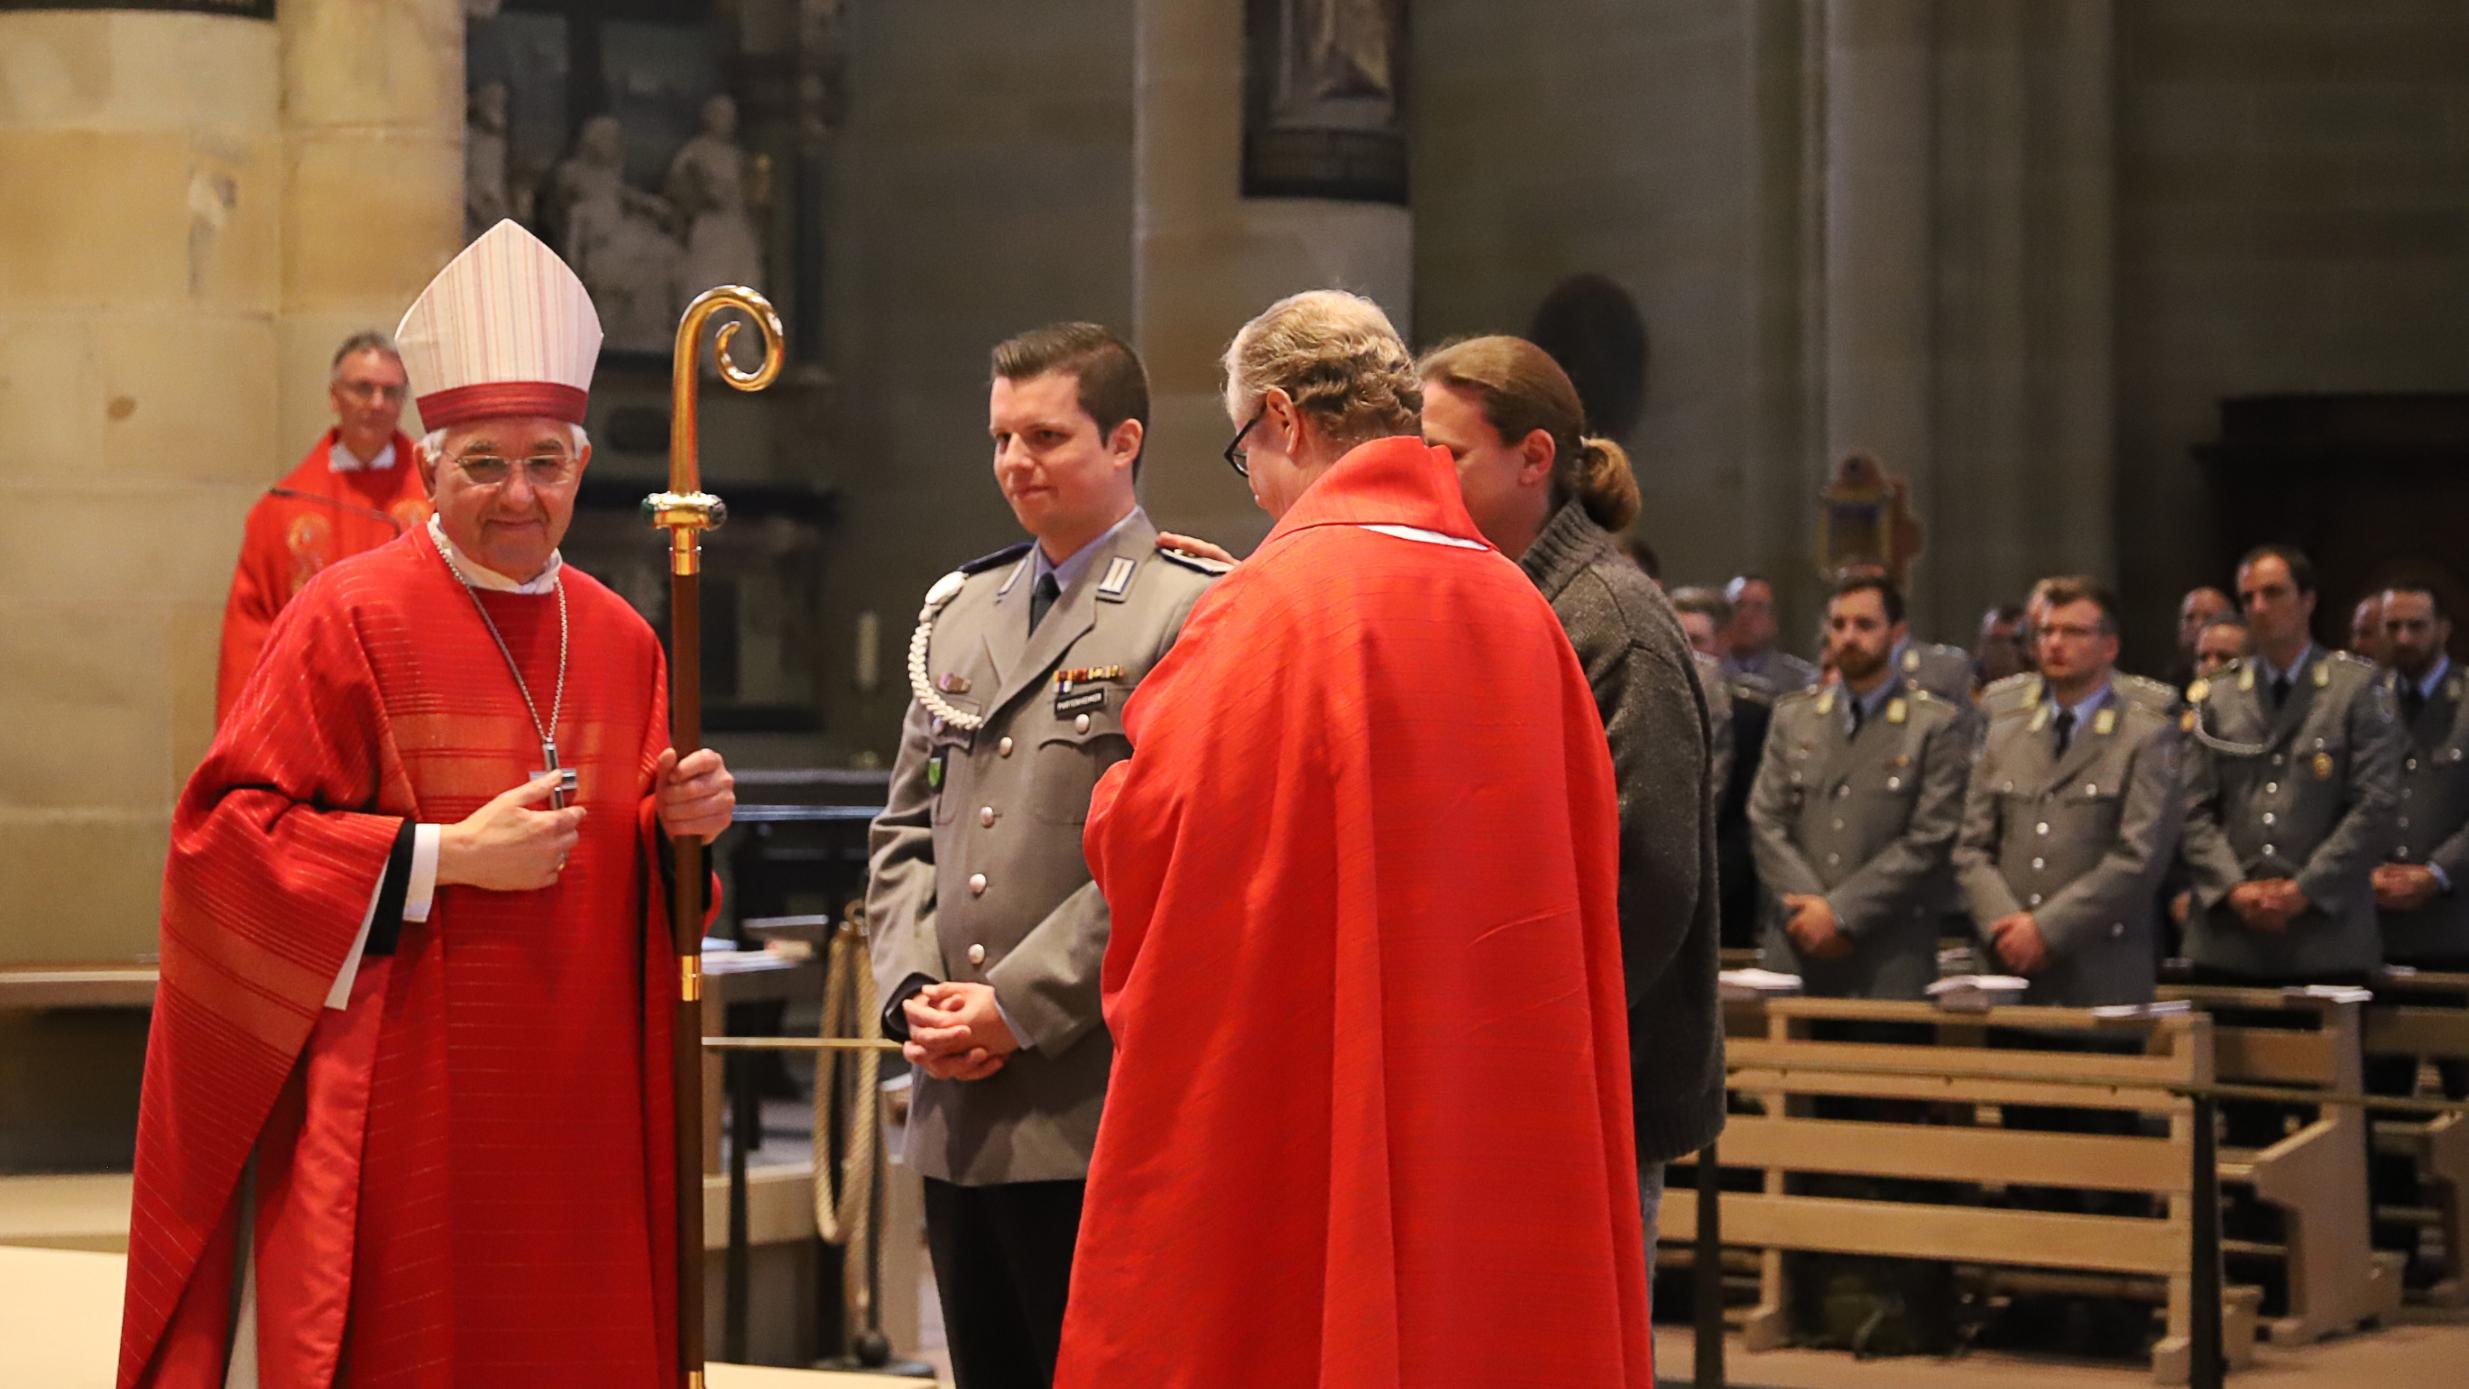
pixel 2422 1350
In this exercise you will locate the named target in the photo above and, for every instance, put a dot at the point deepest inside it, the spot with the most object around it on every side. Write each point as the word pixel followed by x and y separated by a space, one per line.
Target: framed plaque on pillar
pixel 1324 90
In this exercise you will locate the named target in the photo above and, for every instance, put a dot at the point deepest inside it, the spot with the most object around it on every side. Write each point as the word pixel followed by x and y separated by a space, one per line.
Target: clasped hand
pixel 2268 904
pixel 1811 922
pixel 955 1032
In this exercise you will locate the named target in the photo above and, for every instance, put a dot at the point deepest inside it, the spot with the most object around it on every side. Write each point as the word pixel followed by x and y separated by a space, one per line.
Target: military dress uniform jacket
pixel 976 872
pixel 1869 823
pixel 2080 841
pixel 2432 827
pixel 2305 793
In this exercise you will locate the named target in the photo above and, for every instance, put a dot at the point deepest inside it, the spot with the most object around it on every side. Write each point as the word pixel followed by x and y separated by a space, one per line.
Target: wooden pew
pixel 1786 1139
pixel 2316 1175
pixel 2415 1015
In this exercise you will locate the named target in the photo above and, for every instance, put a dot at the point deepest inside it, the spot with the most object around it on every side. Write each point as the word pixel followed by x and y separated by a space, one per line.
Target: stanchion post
pixel 1706 1279
pixel 2205 1365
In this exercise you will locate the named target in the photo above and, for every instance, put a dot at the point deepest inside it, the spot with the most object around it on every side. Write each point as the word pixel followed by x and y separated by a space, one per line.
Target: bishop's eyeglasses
pixel 540 470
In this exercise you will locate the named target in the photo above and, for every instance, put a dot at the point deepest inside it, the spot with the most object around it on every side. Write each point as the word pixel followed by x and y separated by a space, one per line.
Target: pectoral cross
pixel 567 781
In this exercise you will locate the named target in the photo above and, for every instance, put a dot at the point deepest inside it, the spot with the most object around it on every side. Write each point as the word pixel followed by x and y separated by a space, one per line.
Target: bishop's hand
pixel 698 797
pixel 510 844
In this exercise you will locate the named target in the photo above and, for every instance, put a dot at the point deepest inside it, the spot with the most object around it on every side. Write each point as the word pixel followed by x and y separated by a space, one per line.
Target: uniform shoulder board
pixel 1005 555
pixel 2003 683
pixel 1214 568
pixel 1803 695
pixel 2353 659
pixel 2145 692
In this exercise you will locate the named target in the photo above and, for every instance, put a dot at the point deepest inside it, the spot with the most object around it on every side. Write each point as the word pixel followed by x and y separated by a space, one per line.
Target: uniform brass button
pixel 2040 863
pixel 2407 791
pixel 1833 859
pixel 977 954
pixel 1838 824
pixel 2404 822
pixel 2280 759
pixel 2270 819
pixel 2091 789
pixel 2271 788
pixel 2402 852
pixel 1842 791
pixel 2035 899
pixel 1080 724
pixel 1894 783
pixel 2270 850
pixel 985 816
pixel 2413 764
pixel 977 884
pixel 1004 748
pixel 2041 828
pixel 2116 929
pixel 2010 786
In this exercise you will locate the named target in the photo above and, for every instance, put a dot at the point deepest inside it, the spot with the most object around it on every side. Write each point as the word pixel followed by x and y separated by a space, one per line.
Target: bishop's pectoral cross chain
pixel 568 783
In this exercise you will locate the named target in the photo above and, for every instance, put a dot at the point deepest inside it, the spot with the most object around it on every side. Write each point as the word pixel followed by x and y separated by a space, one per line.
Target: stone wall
pixel 2293 215
pixel 984 187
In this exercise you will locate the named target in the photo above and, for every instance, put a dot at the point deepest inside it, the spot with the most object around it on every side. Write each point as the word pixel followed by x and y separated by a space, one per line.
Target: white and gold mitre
pixel 505 329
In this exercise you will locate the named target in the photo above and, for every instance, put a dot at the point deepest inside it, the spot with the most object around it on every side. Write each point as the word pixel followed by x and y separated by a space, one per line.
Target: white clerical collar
pixel 341 459
pixel 479 575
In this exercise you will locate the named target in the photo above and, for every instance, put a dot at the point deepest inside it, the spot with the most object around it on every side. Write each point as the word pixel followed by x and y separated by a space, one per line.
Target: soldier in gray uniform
pixel 2071 818
pixel 1942 670
pixel 1750 639
pixel 2419 888
pixel 2290 796
pixel 986 932
pixel 1854 812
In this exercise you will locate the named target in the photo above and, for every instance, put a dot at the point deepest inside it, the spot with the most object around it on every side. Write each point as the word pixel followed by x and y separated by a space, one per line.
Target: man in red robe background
pixel 406 1118
pixel 355 490
pixel 1369 1122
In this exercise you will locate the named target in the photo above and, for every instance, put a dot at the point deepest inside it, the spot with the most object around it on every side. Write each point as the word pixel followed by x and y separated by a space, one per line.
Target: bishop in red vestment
pixel 1369 1122
pixel 406 1118
pixel 355 490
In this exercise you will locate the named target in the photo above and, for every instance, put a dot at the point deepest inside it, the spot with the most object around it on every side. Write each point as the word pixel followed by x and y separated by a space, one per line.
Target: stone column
pixel 1879 245
pixel 373 191
pixel 139 277
pixel 1205 258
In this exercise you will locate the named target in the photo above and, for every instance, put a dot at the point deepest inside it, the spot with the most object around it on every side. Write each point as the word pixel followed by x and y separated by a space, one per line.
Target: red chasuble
pixel 312 518
pixel 461 1179
pixel 1369 1119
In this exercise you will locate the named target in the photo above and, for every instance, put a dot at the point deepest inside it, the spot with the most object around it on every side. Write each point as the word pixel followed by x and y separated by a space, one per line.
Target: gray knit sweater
pixel 1654 712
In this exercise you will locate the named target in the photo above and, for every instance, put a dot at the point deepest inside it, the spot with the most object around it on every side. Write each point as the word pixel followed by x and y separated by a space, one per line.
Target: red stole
pixel 463 1177
pixel 1369 1121
pixel 326 516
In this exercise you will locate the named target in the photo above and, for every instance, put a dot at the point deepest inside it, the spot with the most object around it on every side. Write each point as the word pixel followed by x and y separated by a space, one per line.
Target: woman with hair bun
pixel 1369 1124
pixel 1555 502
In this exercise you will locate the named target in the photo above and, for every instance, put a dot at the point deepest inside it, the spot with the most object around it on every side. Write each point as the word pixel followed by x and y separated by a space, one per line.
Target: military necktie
pixel 1858 713
pixel 2280 692
pixel 1042 598
pixel 2065 730
pixel 2412 702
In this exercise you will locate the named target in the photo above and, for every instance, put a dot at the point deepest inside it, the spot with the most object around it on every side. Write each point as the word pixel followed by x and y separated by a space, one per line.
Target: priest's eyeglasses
pixel 540 470
pixel 1238 457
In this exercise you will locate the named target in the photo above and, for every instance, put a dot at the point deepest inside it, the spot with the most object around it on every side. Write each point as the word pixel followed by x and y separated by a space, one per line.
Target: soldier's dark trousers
pixel 1002 1264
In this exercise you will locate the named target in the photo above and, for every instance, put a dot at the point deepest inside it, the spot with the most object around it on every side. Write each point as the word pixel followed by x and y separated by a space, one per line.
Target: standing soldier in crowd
pixel 1752 638
pixel 2425 919
pixel 2366 630
pixel 1855 811
pixel 2290 795
pixel 987 933
pixel 2071 817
